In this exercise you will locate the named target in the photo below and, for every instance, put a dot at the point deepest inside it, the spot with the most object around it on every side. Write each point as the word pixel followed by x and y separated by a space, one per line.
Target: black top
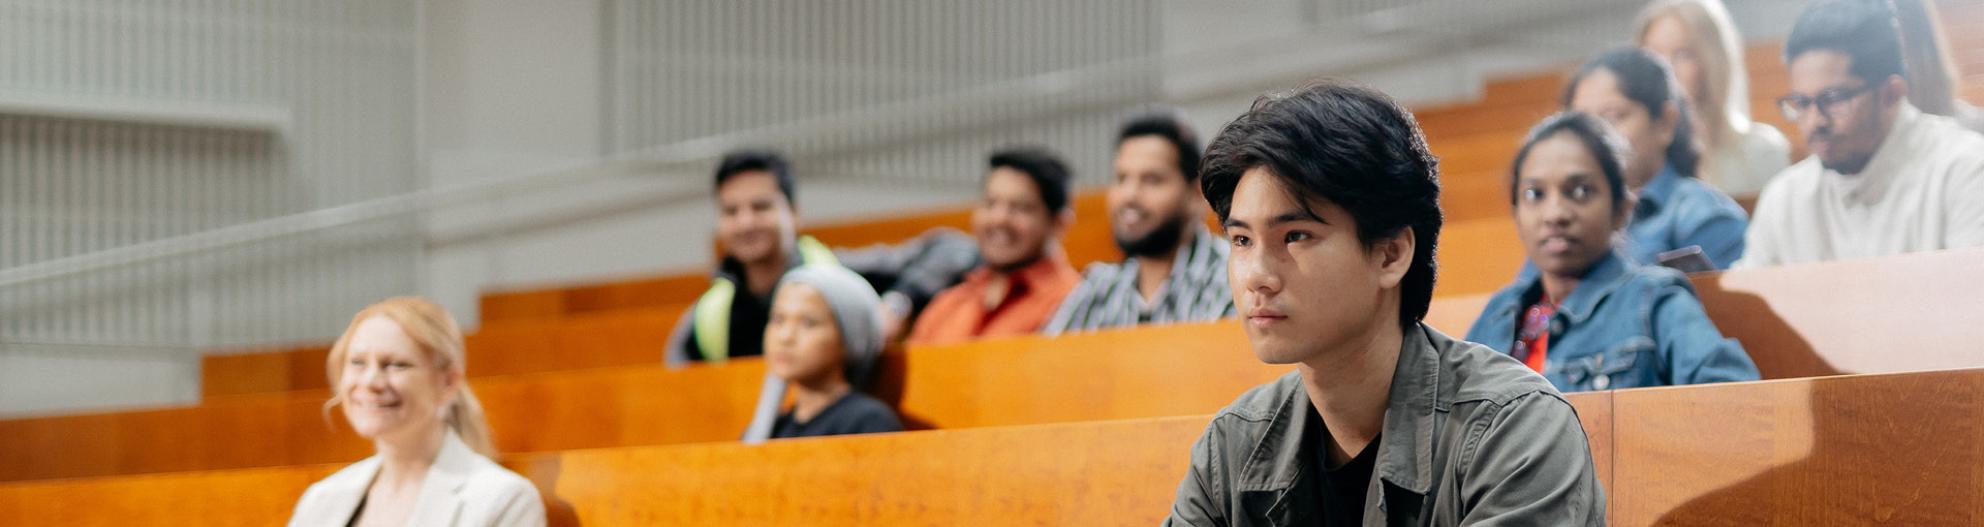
pixel 854 413
pixel 1343 485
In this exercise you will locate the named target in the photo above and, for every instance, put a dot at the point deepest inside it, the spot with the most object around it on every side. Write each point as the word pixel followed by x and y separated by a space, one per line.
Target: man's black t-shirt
pixel 1344 486
pixel 854 413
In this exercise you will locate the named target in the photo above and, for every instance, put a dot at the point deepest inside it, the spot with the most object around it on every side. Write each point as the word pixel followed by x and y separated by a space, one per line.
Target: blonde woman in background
pixel 1703 48
pixel 1934 85
pixel 399 377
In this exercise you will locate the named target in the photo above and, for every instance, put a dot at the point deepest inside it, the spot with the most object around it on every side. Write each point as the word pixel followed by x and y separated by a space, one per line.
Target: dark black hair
pixel 752 160
pixel 1861 29
pixel 1171 128
pixel 1599 139
pixel 1645 79
pixel 1349 145
pixel 1047 170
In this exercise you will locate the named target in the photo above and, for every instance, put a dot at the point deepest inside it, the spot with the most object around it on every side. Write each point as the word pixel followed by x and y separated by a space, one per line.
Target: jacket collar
pixel 1598 283
pixel 440 496
pixel 439 500
pixel 1655 193
pixel 1050 266
pixel 1282 463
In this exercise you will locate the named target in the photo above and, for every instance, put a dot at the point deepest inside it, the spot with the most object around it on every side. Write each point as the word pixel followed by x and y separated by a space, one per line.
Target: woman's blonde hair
pixel 1725 108
pixel 435 332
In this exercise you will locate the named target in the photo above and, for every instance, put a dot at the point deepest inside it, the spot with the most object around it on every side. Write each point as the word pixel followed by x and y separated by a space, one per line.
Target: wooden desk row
pixel 1796 321
pixel 631 334
pixel 1902 449
pixel 1149 372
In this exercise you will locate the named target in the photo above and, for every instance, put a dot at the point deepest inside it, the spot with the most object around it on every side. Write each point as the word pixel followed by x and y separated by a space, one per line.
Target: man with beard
pixel 1025 275
pixel 1883 178
pixel 757 223
pixel 1176 268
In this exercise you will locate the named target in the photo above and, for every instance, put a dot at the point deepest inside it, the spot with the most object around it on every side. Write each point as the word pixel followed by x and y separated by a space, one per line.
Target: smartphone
pixel 1687 260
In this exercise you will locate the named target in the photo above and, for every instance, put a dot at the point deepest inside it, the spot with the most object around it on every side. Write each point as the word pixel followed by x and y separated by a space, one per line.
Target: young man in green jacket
pixel 1330 201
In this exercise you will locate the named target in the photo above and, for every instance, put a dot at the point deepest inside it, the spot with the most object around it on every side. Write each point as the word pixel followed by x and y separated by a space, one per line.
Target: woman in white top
pixel 398 374
pixel 1706 53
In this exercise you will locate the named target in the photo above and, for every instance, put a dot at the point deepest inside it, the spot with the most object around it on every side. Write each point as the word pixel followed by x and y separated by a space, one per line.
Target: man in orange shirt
pixel 1025 275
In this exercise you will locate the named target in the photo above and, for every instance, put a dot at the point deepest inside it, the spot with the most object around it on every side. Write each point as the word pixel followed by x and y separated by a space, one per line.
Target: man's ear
pixel 1893 91
pixel 1064 220
pixel 1394 256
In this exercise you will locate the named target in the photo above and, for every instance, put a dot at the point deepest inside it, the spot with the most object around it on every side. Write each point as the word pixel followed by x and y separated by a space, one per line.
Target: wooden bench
pixel 1131 373
pixel 1897 313
pixel 1790 319
pixel 1904 449
pixel 1028 380
pixel 628 333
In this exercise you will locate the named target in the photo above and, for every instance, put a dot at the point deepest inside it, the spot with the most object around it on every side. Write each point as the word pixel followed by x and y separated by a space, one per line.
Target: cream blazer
pixel 462 489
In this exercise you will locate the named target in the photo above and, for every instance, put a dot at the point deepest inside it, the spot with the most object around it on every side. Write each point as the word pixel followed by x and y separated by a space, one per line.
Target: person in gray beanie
pixel 823 341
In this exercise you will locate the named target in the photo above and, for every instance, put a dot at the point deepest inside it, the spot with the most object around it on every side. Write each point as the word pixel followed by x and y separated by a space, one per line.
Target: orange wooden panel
pixel 264 371
pixel 508 305
pixel 1476 257
pixel 1901 449
pixel 1146 372
pixel 608 338
pixel 1595 415
pixel 1542 87
pixel 232 498
pixel 582 409
pixel 672 289
pixel 1898 313
pixel 1453 315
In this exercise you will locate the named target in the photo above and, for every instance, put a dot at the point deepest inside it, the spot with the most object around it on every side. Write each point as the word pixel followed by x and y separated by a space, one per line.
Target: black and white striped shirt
pixel 1196 291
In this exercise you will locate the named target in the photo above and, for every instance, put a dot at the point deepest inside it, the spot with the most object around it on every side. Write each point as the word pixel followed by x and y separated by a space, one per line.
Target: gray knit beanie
pixel 857 313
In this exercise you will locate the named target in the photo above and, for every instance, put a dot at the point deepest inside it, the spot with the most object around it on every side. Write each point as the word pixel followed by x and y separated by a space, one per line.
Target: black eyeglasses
pixel 1828 102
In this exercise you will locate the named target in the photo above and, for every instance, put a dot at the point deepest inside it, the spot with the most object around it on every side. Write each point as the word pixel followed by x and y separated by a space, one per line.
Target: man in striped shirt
pixel 1176 267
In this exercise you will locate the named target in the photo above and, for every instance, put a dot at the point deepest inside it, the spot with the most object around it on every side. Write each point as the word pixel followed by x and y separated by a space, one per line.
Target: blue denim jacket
pixel 1625 326
pixel 1676 212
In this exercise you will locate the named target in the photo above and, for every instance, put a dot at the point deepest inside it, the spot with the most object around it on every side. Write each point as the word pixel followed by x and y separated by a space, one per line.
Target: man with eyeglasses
pixel 1883 178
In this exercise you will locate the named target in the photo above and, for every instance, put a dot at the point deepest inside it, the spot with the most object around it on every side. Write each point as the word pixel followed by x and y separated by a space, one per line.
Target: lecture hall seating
pixel 1790 319
pixel 1902 449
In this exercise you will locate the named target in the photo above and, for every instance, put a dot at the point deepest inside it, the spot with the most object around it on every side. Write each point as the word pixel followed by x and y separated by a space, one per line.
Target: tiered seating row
pixel 1905 449
pixel 1795 321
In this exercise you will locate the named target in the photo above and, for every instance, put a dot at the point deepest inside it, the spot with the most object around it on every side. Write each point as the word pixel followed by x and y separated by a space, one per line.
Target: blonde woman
pixel 1703 48
pixel 398 375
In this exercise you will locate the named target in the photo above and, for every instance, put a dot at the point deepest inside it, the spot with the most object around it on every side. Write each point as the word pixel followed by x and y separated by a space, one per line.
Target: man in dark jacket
pixel 1331 203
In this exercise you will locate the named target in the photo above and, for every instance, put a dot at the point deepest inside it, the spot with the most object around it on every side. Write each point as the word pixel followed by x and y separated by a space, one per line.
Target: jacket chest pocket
pixel 1627 364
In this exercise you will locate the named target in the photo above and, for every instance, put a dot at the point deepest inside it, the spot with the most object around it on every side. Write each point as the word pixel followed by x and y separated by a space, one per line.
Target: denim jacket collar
pixel 1655 193
pixel 1597 284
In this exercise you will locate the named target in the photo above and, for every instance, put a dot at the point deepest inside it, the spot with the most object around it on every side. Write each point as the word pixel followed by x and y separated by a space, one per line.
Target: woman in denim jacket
pixel 1592 320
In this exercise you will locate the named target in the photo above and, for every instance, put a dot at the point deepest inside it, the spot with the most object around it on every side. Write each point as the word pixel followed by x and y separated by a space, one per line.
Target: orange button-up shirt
pixel 959 314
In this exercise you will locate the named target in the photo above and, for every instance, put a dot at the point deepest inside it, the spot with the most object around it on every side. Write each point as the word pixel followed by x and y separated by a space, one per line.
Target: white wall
pixel 128 123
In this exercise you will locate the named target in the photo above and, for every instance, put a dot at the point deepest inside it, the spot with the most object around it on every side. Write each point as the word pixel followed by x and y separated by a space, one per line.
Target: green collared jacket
pixel 1471 437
